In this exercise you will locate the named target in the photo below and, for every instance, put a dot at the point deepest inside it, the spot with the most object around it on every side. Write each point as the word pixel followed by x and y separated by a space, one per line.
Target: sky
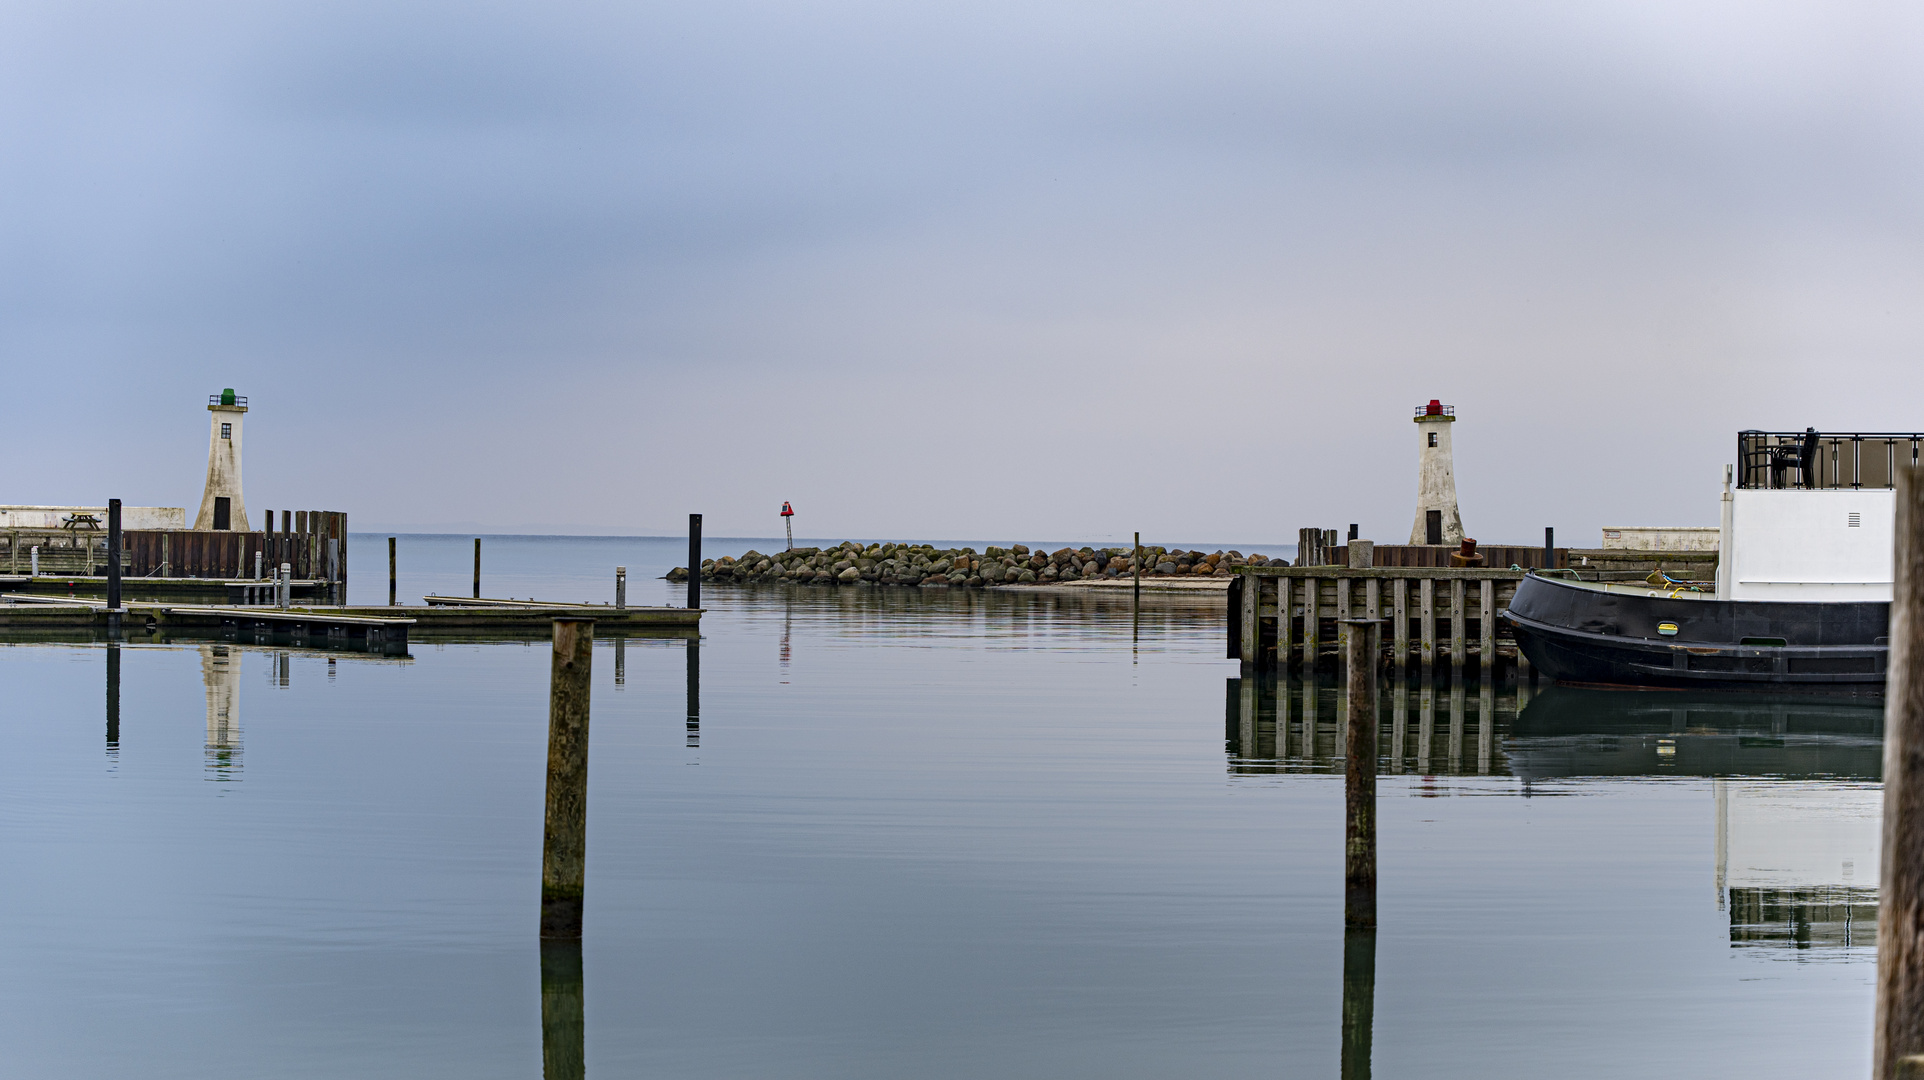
pixel 944 270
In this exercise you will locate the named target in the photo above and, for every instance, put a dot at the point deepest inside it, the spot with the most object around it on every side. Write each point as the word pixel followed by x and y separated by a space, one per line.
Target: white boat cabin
pixel 1811 516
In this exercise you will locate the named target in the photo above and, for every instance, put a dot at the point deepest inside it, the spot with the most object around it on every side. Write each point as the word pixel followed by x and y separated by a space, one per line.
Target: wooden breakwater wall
pixel 312 542
pixel 1291 615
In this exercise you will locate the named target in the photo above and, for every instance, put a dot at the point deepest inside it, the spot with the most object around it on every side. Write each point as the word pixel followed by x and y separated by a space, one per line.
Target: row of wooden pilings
pixel 1286 616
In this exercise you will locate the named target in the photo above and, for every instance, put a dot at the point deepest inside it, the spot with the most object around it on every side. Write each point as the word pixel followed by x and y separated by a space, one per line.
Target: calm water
pixel 909 834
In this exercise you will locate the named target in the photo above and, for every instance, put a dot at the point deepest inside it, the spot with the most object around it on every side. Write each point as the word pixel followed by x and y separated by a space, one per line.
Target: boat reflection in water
pixel 1795 784
pixel 1794 794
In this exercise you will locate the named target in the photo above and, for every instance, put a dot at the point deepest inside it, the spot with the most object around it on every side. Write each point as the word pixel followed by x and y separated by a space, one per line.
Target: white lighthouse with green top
pixel 221 505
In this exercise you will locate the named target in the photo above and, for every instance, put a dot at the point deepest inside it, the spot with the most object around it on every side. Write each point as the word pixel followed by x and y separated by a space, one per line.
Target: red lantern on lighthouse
pixel 788 523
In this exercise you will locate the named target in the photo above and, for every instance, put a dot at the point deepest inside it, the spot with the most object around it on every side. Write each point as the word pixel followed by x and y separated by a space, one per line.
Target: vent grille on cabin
pixel 1856 520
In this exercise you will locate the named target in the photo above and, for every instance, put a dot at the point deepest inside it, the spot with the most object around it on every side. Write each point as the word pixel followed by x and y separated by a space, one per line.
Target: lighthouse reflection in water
pixel 1793 802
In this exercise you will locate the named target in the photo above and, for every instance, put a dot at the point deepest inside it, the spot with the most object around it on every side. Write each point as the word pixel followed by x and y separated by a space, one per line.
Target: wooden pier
pixel 26 616
pixel 1435 615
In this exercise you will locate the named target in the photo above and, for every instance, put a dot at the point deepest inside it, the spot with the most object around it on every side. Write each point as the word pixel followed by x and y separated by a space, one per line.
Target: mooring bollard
pixel 287 585
pixel 34 556
pixel 1364 643
pixel 477 568
pixel 694 560
pixel 390 572
pixel 564 843
pixel 1900 905
pixel 257 564
pixel 621 588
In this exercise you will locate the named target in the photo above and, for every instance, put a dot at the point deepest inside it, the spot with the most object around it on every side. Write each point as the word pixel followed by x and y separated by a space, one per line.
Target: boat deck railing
pixel 1814 460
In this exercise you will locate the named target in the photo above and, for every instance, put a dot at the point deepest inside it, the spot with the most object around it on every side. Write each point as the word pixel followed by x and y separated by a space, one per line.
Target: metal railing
pixel 1424 410
pixel 218 399
pixel 1815 460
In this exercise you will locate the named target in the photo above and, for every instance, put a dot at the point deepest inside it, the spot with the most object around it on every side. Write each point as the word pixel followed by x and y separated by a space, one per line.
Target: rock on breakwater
pixel 926 565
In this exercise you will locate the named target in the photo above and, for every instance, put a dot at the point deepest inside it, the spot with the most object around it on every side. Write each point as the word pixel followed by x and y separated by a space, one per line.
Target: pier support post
pixel 390 572
pixel 1285 617
pixel 1359 772
pixel 477 568
pixel 1486 629
pixel 1135 571
pixel 1400 612
pixel 1426 612
pixel 621 588
pixel 1252 627
pixel 113 558
pixel 694 560
pixel 1549 548
pixel 1900 915
pixel 564 842
pixel 1312 624
pixel 1459 625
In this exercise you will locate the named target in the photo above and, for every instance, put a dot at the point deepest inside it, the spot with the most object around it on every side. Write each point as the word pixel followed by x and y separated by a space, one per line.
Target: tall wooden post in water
pixel 1363 645
pixel 390 571
pixel 113 558
pixel 564 842
pixel 1900 906
pixel 477 568
pixel 694 560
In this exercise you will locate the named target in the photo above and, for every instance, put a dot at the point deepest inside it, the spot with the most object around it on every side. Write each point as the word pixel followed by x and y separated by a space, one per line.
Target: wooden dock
pixel 1435 614
pixel 24 616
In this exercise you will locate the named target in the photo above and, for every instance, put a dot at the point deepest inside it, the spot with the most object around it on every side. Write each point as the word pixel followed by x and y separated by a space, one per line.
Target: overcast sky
pixel 1023 270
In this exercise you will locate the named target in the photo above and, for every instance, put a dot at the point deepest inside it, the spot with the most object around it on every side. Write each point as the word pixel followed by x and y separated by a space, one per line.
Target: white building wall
pixel 1793 544
pixel 131 517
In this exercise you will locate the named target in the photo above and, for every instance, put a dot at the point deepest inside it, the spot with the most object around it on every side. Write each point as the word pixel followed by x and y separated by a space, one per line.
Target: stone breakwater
pixel 927 565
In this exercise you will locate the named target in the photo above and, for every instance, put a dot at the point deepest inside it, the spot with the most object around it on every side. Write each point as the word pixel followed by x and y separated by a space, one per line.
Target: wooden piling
pixel 1486 628
pixel 621 588
pixel 391 601
pixel 1359 772
pixel 1900 914
pixel 113 555
pixel 477 568
pixel 694 560
pixel 1400 612
pixel 1252 627
pixel 564 843
pixel 1426 612
pixel 1312 623
pixel 1284 617
pixel 1459 634
pixel 1343 614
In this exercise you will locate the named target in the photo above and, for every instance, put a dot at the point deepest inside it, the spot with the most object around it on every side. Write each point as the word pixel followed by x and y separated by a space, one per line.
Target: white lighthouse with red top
pixel 1437 519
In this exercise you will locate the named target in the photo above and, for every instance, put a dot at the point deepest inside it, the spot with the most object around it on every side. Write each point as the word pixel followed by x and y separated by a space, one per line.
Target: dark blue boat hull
pixel 1587 636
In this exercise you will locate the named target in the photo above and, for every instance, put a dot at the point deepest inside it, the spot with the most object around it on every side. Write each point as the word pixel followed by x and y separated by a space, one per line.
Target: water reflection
pixel 220 674
pixel 113 701
pixel 1794 779
pixel 1359 1002
pixel 563 1030
pixel 694 691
